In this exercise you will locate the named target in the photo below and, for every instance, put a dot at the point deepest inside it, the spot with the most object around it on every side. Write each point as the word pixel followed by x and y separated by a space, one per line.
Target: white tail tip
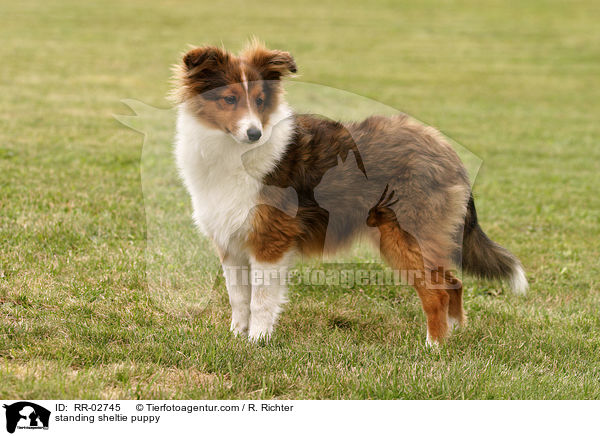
pixel 518 281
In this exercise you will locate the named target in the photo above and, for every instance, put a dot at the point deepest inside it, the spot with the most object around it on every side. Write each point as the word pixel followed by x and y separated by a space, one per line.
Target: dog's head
pixel 234 94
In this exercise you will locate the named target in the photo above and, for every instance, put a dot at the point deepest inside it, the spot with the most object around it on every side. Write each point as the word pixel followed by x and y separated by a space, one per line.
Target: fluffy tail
pixel 484 258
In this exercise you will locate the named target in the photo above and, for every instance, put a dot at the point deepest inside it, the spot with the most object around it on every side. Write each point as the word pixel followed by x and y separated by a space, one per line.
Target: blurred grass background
pixel 514 82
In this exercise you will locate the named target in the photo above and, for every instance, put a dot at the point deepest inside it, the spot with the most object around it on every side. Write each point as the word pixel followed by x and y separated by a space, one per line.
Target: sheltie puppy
pixel 267 185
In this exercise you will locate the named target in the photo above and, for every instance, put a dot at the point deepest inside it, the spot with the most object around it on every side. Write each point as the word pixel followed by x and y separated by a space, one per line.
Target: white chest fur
pixel 223 176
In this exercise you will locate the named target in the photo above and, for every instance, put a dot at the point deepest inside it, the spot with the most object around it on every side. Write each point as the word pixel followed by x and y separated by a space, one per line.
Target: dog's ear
pixel 271 64
pixel 201 70
pixel 204 59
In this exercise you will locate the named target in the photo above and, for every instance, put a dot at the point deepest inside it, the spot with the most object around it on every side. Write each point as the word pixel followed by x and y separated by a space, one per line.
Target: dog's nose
pixel 253 134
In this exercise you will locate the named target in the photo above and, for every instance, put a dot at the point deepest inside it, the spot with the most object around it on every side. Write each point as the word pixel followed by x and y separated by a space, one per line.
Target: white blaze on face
pixel 245 82
pixel 248 121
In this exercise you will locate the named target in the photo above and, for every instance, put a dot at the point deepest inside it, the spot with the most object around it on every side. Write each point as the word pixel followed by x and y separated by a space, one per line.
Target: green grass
pixel 107 291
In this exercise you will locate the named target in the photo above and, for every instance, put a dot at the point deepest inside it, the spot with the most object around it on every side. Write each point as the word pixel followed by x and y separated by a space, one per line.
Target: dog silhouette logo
pixel 26 415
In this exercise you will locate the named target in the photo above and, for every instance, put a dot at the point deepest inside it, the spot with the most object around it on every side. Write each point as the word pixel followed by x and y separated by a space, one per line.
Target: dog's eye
pixel 230 99
pixel 259 101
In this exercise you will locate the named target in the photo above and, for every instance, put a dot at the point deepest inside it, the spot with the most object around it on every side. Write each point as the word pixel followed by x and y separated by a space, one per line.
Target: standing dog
pixel 256 174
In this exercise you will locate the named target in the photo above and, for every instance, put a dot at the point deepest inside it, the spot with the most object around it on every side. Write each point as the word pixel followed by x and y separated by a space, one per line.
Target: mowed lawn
pixel 92 307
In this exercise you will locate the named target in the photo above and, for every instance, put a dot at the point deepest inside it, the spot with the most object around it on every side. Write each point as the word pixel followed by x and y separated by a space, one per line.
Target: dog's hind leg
pixel 402 251
pixel 456 315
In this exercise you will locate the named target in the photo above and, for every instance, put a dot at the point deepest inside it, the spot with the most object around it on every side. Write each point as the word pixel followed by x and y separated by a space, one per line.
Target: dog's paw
pixel 239 330
pixel 260 336
pixel 430 343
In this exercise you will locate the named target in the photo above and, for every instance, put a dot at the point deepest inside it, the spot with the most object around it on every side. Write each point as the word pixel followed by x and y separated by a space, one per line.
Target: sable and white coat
pixel 267 184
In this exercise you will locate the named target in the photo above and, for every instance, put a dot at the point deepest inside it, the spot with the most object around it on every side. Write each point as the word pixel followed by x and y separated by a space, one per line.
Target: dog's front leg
pixel 269 292
pixel 236 271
